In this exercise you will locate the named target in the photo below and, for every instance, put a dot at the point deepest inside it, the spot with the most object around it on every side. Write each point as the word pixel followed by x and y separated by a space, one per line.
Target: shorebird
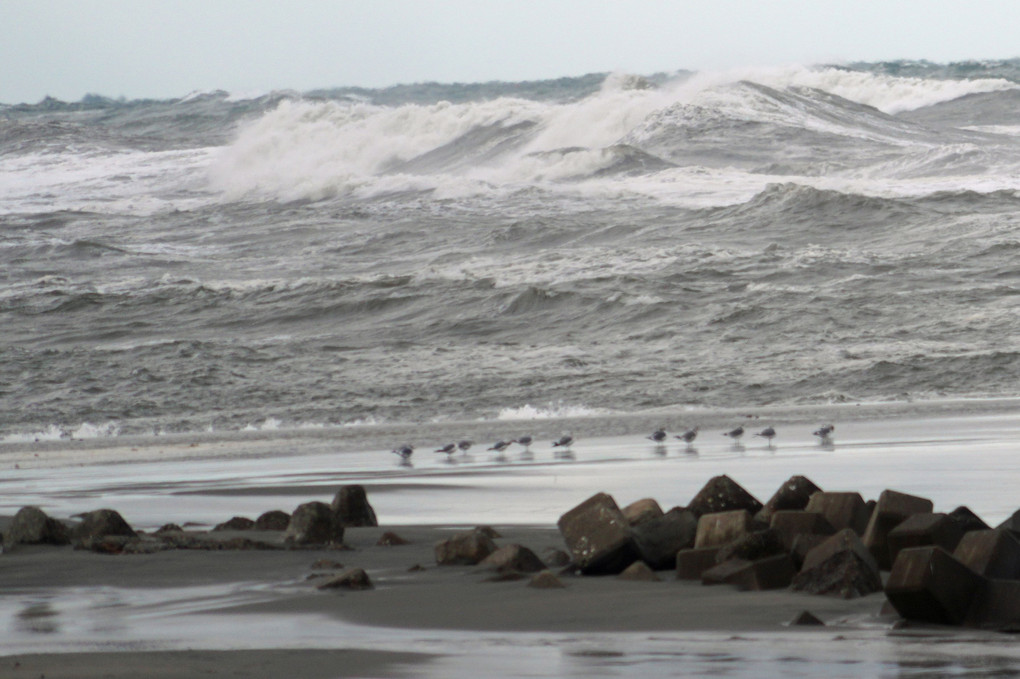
pixel 768 433
pixel 735 434
pixel 500 446
pixel 564 441
pixel 404 452
pixel 689 435
pixel 659 435
pixel 524 441
pixel 824 432
pixel 449 449
pixel 464 445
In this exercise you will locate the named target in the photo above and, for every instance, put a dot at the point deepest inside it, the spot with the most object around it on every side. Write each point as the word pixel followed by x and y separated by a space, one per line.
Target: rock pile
pixel 945 568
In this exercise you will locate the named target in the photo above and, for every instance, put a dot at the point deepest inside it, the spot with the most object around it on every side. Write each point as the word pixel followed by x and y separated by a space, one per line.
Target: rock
pixel 721 528
pixel 840 566
pixel 991 553
pixel 274 519
pixel 723 494
pixel 928 585
pixel 788 524
pixel 464 549
pixel 391 539
pixel 236 523
pixel 31 526
pixel 807 619
pixel 802 545
pixel 169 528
pixel 892 509
pixel 774 572
pixel 723 573
pixel 598 536
pixel 692 563
pixel 546 580
pixel 352 509
pixel 996 606
pixel 968 520
pixel 794 494
pixel 841 510
pixel 354 578
pixel 753 546
pixel 488 531
pixel 924 529
pixel 555 558
pixel 100 524
pixel 640 572
pixel 659 539
pixel 314 523
pixel 641 511
pixel 513 558
pixel 326 563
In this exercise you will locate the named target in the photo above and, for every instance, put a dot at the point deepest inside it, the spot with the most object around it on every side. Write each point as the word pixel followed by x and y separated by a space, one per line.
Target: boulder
pixel 757 545
pixel 967 519
pixel 659 539
pixel 924 529
pixel 807 619
pixel 794 494
pixel 991 553
pixel 788 524
pixel 996 606
pixel 274 519
pixel 351 506
pixel 236 523
pixel 556 558
pixel 1012 524
pixel 546 580
pixel 169 528
pixel 314 523
pixel 723 494
pixel 802 545
pixel 774 572
pixel 841 510
pixel 642 510
pixel 928 585
pixel 391 539
pixel 893 508
pixel 31 526
pixel 691 563
pixel 101 523
pixel 598 536
pixel 354 578
pixel 723 573
pixel 464 549
pixel 721 528
pixel 488 531
pixel 515 558
pixel 840 566
pixel 639 572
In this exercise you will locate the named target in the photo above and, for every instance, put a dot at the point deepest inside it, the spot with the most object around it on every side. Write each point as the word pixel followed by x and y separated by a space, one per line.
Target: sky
pixel 169 48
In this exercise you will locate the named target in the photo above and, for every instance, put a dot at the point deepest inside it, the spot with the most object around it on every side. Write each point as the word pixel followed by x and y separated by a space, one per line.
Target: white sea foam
pixel 558 409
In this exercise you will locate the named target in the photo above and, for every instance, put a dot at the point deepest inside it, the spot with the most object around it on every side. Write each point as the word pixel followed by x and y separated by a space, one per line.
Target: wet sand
pixel 200 613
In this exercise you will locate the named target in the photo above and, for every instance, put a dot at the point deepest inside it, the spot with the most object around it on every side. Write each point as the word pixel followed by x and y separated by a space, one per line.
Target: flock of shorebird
pixel 659 436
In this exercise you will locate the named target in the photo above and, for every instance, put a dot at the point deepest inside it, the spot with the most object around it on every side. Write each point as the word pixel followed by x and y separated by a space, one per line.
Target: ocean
pixel 586 246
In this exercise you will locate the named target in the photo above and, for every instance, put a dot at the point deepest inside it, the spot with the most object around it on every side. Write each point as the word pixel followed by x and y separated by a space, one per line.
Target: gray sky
pixel 168 48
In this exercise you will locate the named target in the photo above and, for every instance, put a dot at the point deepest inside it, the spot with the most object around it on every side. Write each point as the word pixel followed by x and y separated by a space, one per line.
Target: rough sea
pixel 428 253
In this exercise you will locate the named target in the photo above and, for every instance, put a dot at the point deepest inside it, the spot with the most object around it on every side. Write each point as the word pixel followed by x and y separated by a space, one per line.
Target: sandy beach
pixel 185 613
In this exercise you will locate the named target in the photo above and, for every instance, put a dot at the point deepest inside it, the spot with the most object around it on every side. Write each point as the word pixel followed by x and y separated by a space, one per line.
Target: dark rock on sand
pixel 967 519
pixel 794 494
pixel 101 523
pixel 791 523
pixel 546 580
pixel 692 563
pixel 641 511
pixel 598 536
pixel 840 566
pixel 1012 524
pixel 314 523
pixel 892 509
pixel 752 546
pixel 274 519
pixel 515 558
pixel 659 539
pixel 556 558
pixel 351 506
pixel 921 530
pixel 639 572
pixel 235 523
pixel 928 585
pixel 354 578
pixel 32 526
pixel 391 539
pixel 807 619
pixel 802 546
pixel 169 528
pixel 464 549
pixel 841 510
pixel 723 494
pixel 774 572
